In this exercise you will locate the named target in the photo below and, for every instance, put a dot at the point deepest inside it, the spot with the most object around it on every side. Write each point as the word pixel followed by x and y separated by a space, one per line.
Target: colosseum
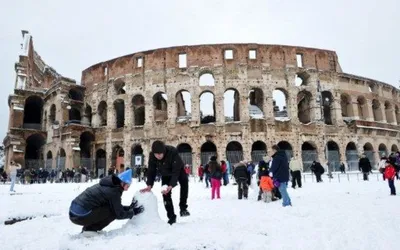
pixel 178 94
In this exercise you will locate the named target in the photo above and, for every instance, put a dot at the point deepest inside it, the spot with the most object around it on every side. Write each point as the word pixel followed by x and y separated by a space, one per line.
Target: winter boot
pixel 172 220
pixel 185 213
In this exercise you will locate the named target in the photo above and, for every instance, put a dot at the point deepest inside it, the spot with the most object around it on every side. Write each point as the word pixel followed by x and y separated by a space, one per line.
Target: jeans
pixel 208 180
pixel 13 178
pixel 285 196
pixel 392 187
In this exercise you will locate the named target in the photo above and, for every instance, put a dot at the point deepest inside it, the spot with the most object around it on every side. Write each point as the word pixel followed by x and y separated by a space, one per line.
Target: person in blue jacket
pixel 99 205
pixel 280 173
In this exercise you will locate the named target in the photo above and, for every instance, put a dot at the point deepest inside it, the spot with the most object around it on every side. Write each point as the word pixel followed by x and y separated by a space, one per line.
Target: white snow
pixel 349 214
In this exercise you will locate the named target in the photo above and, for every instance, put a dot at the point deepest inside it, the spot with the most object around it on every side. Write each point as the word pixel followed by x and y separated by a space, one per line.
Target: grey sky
pixel 72 35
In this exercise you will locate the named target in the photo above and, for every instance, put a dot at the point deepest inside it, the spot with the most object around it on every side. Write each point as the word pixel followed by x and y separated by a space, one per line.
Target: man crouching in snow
pixel 100 204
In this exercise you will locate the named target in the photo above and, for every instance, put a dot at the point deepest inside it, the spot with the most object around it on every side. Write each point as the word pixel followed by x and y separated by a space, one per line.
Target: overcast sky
pixel 73 35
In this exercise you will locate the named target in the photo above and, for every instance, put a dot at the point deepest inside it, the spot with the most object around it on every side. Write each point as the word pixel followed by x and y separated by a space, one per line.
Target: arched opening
pixel 333 156
pixel 231 105
pixel 183 105
pixel 85 145
pixel 285 146
pixel 49 160
pixel 207 150
pixel 61 159
pixel 376 110
pixel 389 112
pixel 258 151
pixel 52 116
pixel 137 157
pixel 74 115
pixel 34 151
pixel 206 79
pixel 33 112
pixel 352 156
pixel 119 86
pixel 328 107
pixel 369 152
pixel 234 152
pixel 87 118
pixel 160 106
pixel 346 106
pixel 397 113
pixel 302 79
pixel 100 163
pixel 362 108
pixel 185 152
pixel 117 158
pixel 256 103
pixel 394 148
pixel 304 99
pixel 102 113
pixel 138 105
pixel 382 150
pixel 207 108
pixel 279 102
pixel 75 95
pixel 309 154
pixel 119 107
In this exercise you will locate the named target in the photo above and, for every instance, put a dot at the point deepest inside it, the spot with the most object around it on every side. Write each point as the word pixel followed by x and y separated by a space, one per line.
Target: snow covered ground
pixel 331 215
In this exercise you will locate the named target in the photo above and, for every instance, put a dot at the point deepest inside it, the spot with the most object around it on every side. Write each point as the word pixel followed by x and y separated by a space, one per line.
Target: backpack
pixel 217 175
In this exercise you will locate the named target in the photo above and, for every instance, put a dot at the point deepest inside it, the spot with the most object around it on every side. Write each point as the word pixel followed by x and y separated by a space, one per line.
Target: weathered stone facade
pixel 119 110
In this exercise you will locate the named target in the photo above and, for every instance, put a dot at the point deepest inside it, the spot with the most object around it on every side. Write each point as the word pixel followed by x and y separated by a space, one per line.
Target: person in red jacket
pixel 187 169
pixel 390 173
pixel 200 172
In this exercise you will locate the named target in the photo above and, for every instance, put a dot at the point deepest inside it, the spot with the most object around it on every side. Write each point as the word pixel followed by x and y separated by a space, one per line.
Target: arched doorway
pixel 382 150
pixel 333 156
pixel 394 148
pixel 49 160
pixel 85 146
pixel 207 150
pixel 352 157
pixel 33 151
pixel 234 152
pixel 33 110
pixel 285 146
pixel 309 154
pixel 117 158
pixel 61 159
pixel 258 151
pixel 137 157
pixel 369 152
pixel 100 163
pixel 185 152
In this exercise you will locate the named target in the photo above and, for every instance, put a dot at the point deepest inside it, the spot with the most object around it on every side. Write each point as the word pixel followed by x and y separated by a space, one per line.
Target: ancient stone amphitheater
pixel 179 95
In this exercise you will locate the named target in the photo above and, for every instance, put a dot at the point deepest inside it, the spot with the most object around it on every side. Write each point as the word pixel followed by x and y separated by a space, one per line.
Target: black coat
pixel 215 169
pixel 364 165
pixel 107 192
pixel 171 165
pixel 280 166
pixel 317 168
pixel 241 172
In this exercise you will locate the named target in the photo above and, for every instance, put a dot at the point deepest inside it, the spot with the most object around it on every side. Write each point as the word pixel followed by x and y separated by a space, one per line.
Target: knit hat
pixel 213 158
pixel 158 147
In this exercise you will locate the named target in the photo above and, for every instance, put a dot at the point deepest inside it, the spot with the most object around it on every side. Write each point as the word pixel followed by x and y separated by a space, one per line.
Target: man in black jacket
pixel 166 160
pixel 100 204
pixel 365 166
pixel 242 177
pixel 280 173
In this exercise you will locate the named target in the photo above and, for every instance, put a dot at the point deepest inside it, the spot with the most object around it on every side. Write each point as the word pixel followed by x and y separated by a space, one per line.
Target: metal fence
pixel 234 156
pixel 35 164
pixel 205 157
pixel 333 160
pixel 186 158
pixel 101 166
pixel 257 155
pixel 308 156
pixel 87 163
pixel 49 163
pixel 352 159
pixel 60 163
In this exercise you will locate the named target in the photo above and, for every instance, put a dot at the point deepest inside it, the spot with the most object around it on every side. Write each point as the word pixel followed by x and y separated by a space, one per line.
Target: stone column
pixel 172 111
pixel 195 107
pixel 219 106
pixel 354 105
pixel 268 107
pixel 370 115
pixel 382 109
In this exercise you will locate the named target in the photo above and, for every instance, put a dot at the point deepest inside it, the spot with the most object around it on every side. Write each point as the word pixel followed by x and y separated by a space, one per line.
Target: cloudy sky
pixel 72 35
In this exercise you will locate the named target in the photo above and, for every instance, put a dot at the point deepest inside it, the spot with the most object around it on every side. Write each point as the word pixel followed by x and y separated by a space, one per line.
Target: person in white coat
pixel 296 167
pixel 14 167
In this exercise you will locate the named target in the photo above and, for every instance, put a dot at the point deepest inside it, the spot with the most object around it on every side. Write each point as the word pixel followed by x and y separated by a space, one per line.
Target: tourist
pixel 242 177
pixel 14 167
pixel 216 176
pixel 280 172
pixel 296 167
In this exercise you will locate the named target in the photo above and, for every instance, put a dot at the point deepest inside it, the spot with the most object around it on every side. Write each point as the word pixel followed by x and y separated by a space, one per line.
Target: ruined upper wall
pixel 274 57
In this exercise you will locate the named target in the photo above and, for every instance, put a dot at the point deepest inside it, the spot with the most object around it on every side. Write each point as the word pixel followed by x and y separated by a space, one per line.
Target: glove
pixel 133 204
pixel 138 210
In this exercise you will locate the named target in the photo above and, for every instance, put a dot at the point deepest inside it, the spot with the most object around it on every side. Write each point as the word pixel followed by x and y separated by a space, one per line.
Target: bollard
pixel 338 176
pixel 358 178
pixel 348 177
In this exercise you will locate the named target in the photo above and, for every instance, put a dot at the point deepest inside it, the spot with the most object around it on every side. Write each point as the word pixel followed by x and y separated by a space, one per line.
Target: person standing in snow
pixel 14 167
pixel 99 205
pixel 224 170
pixel 382 165
pixel 242 178
pixel 200 172
pixel 216 176
pixel 280 173
pixel 296 167
pixel 166 160
pixel 263 169
pixel 318 170
pixel 390 174
pixel 266 185
pixel 365 166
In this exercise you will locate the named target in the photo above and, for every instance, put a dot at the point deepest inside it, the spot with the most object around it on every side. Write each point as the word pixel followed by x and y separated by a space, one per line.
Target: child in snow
pixel 267 185
pixel 216 176
pixel 390 173
pixel 242 177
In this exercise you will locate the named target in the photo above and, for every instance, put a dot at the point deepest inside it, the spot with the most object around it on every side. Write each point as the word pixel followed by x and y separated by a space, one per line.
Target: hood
pixel 280 154
pixel 111 181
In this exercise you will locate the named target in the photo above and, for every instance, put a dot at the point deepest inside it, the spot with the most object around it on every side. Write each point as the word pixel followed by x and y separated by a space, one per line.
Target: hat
pixel 126 176
pixel 158 147
pixel 213 158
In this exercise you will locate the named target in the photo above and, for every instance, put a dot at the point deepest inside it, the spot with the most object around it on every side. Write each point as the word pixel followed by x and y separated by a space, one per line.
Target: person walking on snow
pixel 365 166
pixel 216 176
pixel 166 160
pixel 296 167
pixel 14 167
pixel 242 177
pixel 390 174
pixel 99 205
pixel 280 173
